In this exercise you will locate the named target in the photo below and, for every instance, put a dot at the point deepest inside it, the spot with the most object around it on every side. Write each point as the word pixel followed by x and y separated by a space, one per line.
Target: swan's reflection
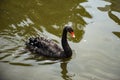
pixel 64 72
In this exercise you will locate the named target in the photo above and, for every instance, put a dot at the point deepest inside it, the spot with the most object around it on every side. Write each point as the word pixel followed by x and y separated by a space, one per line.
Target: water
pixel 96 48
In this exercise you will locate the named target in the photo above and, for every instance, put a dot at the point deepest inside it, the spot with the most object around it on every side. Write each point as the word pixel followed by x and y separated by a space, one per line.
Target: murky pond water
pixel 96 48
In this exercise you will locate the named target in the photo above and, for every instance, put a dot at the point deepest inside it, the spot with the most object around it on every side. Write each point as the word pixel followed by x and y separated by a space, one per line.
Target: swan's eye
pixel 72 34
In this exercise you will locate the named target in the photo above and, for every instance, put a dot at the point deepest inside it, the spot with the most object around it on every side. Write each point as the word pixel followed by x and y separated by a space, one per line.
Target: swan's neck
pixel 65 45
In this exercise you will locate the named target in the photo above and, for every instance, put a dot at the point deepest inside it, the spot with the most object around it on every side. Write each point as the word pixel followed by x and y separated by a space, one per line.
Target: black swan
pixel 48 48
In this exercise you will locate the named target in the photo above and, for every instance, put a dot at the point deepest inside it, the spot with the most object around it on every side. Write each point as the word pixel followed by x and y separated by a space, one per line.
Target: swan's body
pixel 49 48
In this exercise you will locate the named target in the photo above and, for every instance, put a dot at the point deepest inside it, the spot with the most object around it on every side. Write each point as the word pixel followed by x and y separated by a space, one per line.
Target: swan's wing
pixel 44 46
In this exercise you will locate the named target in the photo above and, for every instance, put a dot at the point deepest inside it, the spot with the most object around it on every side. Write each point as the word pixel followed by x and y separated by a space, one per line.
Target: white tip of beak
pixel 73 36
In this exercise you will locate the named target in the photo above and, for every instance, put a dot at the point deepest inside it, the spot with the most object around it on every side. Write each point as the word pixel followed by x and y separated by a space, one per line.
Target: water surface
pixel 96 48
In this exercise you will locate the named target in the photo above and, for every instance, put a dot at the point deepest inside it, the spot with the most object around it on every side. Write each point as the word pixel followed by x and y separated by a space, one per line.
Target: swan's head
pixel 70 30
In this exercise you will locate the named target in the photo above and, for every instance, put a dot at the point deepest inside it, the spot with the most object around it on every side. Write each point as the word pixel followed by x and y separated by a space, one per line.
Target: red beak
pixel 72 34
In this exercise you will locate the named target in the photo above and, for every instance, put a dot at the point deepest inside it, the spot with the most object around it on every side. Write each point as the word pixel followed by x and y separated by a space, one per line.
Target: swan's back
pixel 44 47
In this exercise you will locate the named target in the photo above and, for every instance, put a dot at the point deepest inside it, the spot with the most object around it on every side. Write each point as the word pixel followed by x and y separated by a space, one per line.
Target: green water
pixel 96 48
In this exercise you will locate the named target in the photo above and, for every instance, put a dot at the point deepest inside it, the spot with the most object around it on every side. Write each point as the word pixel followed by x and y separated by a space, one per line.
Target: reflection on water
pixel 97 50
pixel 45 15
pixel 64 72
pixel 117 34
pixel 113 7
